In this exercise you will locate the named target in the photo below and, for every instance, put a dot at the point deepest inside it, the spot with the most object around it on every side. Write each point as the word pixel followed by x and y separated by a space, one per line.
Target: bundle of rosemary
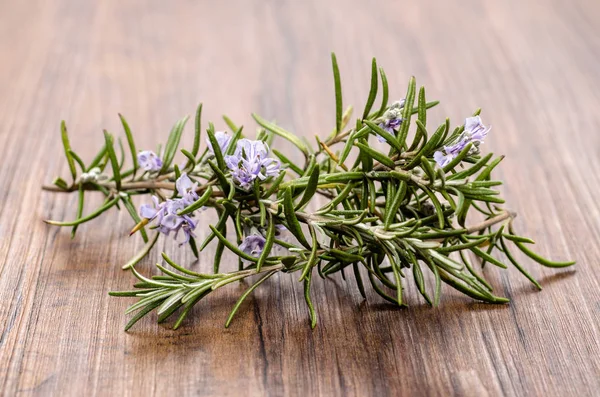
pixel 388 213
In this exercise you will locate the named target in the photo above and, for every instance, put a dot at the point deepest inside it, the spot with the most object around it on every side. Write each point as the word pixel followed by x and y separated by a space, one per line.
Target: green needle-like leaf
pixel 131 143
pixel 269 238
pixel 312 259
pixel 134 215
pixel 338 94
pixel 215 146
pixel 275 185
pixel 420 281
pixel 407 111
pixel 541 260
pixel 382 158
pixel 516 264
pixel 197 131
pixel 97 160
pixel 81 196
pixel 422 107
pixel 282 133
pixel 245 295
pixel 311 188
pixel 196 205
pixel 389 138
pixel 372 90
pixel 291 219
pixel 91 216
pixel 287 162
pixel 384 96
pixel 232 246
pixel 110 148
pixel 67 147
pixel 427 148
pixel 230 123
pixel 221 178
pixel 77 159
pixel 309 304
pixel 143 252
pixel 391 213
pixel 139 315
pixel 172 144
pixel 191 160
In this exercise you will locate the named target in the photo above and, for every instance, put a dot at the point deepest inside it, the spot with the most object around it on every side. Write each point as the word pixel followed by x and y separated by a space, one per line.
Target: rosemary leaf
pixel 338 94
pixel 131 143
pixel 110 149
pixel 172 144
pixel 243 297
pixel 372 90
pixel 197 131
pixel 67 146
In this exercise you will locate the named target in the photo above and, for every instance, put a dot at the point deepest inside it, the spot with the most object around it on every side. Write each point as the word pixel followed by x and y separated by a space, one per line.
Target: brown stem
pixel 492 221
pixel 51 188
pixel 332 155
pixel 137 185
pixel 251 272
pixel 338 138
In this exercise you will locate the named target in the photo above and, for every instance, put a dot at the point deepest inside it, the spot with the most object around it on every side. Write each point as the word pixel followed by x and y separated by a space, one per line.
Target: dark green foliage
pixel 393 213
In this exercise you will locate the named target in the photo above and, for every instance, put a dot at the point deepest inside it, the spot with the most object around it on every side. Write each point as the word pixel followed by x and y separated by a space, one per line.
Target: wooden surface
pixel 531 65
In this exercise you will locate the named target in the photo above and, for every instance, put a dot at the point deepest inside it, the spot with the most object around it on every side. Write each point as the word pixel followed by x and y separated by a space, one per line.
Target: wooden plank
pixel 531 67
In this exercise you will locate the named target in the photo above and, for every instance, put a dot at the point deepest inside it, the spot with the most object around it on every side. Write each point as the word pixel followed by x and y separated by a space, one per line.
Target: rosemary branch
pixel 136 185
pixel 491 222
pixel 388 212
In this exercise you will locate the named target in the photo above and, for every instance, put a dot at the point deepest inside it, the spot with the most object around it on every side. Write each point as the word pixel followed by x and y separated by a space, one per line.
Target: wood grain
pixel 531 65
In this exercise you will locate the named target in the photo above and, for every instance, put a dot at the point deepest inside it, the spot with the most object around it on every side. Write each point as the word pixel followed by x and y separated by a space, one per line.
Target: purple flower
pixel 150 212
pixel 165 214
pixel 390 126
pixel 441 159
pixel 392 119
pixel 223 140
pixel 250 161
pixel 149 161
pixel 475 132
pixel 186 189
pixel 253 244
pixel 475 129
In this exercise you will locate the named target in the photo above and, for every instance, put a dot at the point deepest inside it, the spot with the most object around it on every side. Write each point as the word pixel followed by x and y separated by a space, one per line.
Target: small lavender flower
pixel 223 140
pixel 149 161
pixel 475 129
pixel 165 214
pixel 441 159
pixel 475 132
pixel 186 189
pixel 250 161
pixel 253 244
pixel 173 222
pixel 151 211
pixel 451 152
pixel 392 119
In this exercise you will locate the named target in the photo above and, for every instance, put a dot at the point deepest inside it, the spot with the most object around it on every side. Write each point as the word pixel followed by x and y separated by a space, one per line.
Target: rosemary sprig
pixel 394 211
